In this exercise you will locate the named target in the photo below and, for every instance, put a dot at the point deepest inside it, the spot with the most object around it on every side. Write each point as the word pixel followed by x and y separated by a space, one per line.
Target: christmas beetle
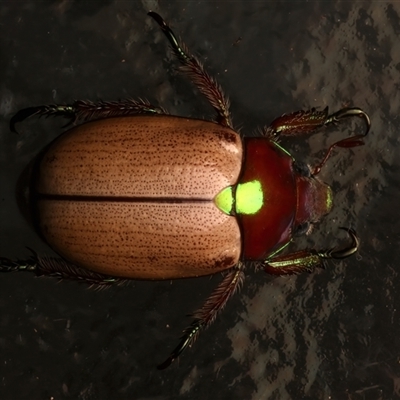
pixel 135 193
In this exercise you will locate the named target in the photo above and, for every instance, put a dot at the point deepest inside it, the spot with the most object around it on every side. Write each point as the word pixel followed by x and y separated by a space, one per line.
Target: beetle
pixel 132 192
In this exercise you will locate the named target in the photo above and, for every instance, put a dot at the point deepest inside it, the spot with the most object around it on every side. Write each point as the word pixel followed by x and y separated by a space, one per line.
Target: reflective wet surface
pixel 330 334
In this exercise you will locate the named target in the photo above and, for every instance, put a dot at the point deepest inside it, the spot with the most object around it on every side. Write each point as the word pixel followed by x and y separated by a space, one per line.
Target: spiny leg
pixel 303 122
pixel 82 110
pixel 195 71
pixel 206 315
pixel 58 268
pixel 308 260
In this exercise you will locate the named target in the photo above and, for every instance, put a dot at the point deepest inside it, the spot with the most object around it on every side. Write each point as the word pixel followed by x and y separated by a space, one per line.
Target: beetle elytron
pixel 134 193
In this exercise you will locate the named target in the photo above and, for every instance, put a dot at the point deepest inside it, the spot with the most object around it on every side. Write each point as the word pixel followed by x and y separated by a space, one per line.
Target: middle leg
pixel 195 71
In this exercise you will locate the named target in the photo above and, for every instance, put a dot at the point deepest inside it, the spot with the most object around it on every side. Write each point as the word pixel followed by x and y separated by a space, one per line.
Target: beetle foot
pixel 7 265
pixel 352 141
pixel 82 110
pixel 189 336
pixel 206 85
pixel 308 260
pixel 58 268
pixel 345 252
pixel 349 112
pixel 303 122
pixel 207 314
pixel 48 110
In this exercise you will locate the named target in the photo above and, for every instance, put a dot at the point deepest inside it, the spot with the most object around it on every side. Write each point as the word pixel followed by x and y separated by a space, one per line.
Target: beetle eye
pixel 302 168
pixel 301 229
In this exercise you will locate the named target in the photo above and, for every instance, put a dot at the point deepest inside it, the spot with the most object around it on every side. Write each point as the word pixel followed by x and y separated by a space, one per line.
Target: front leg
pixel 303 122
pixel 308 260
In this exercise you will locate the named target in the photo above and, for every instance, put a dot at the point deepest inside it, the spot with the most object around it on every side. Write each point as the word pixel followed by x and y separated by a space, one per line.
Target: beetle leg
pixel 301 122
pixel 82 110
pixel 59 268
pixel 206 315
pixel 308 260
pixel 196 73
pixel 352 141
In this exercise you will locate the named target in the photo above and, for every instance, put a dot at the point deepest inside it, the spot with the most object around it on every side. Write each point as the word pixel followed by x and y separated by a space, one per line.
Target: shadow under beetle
pixel 134 193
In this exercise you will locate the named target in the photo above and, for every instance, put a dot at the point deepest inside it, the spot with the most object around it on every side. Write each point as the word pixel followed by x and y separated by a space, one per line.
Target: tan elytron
pixel 118 196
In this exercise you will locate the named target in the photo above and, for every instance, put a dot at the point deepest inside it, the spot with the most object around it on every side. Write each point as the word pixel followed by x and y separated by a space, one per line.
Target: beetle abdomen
pixel 133 197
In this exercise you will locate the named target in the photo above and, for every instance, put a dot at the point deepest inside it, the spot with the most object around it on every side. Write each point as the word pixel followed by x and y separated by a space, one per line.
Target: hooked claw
pixel 68 111
pixel 349 112
pixel 347 251
pixel 22 115
pixel 189 335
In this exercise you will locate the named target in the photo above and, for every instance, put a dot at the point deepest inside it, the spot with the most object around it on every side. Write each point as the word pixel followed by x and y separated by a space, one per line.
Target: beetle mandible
pixel 135 193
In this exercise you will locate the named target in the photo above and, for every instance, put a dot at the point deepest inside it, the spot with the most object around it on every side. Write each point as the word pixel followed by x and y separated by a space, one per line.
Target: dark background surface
pixel 332 334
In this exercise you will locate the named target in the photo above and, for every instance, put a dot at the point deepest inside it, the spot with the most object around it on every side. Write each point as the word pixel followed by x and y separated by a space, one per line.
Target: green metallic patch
pixel 249 197
pixel 224 200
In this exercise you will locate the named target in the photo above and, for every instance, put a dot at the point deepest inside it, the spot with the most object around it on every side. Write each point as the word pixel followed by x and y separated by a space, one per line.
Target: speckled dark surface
pixel 332 334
